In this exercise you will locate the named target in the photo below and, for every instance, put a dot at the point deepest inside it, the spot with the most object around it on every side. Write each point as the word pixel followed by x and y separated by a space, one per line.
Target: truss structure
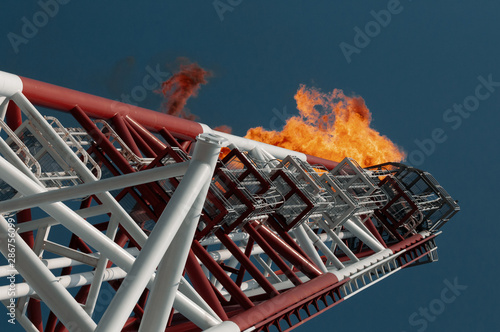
pixel 131 220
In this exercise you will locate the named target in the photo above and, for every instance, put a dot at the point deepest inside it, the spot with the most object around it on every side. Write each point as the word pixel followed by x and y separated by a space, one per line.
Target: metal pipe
pixel 56 263
pixel 194 313
pixel 307 245
pixel 202 285
pixel 371 227
pixel 4 103
pixel 122 130
pixel 100 269
pixel 167 136
pixel 66 281
pixel 188 290
pixel 233 236
pixel 145 148
pixel 221 276
pixel 10 84
pixel 171 268
pixel 227 326
pixel 63 99
pixel 49 221
pixel 13 117
pixel 368 239
pixel 157 145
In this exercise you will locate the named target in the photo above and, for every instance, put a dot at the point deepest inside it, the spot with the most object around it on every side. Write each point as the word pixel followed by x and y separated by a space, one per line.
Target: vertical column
pixel 170 271
pixel 198 173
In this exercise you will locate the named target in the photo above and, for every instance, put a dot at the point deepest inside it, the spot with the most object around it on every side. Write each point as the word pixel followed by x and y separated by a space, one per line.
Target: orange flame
pixel 341 129
pixel 181 86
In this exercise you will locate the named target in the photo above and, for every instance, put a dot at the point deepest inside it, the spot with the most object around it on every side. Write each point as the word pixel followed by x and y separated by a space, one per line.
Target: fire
pixel 181 86
pixel 184 84
pixel 331 126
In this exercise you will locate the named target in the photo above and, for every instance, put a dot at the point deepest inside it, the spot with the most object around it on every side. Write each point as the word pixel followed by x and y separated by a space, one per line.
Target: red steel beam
pixel 157 145
pixel 288 252
pixel 406 243
pixel 371 227
pixel 288 239
pixel 64 99
pixel 284 301
pixel 248 253
pixel 13 117
pixel 167 136
pixel 221 275
pixel 202 285
pixel 145 148
pixel 270 251
pixel 122 130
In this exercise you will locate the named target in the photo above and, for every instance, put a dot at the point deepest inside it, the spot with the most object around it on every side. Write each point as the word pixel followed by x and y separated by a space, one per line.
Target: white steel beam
pixel 100 269
pixel 365 237
pixel 4 102
pixel 307 245
pixel 50 221
pixel 57 298
pixel 193 312
pixel 116 182
pixel 67 281
pixel 10 84
pixel 188 290
pixel 58 263
pixel 170 270
pixel 64 251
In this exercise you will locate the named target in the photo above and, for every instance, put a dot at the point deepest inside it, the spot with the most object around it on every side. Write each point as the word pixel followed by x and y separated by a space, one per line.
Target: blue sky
pixel 426 58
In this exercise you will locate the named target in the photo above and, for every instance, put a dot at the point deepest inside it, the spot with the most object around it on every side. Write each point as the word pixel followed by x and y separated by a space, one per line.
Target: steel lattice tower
pixel 186 237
